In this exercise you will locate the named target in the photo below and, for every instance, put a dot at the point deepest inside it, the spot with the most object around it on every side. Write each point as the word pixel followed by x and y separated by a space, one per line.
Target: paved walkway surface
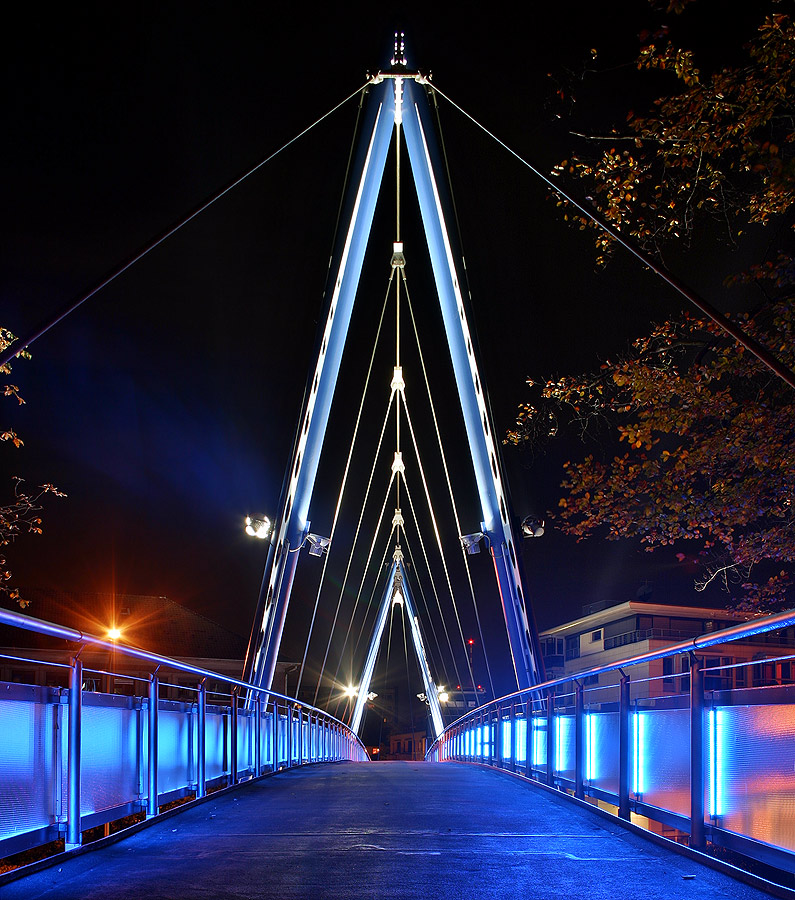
pixel 382 830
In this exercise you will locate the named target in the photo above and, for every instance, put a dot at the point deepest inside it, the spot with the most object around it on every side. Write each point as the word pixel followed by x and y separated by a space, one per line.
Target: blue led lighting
pixel 716 762
pixel 638 745
pixel 590 747
pixel 521 740
pixel 506 739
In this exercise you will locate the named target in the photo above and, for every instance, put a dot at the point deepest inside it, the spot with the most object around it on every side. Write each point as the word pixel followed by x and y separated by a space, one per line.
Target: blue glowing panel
pixel 172 750
pixel 564 746
pixel 602 751
pixel 661 758
pixel 521 740
pixel 506 740
pixel 215 749
pixel 27 766
pixel 539 741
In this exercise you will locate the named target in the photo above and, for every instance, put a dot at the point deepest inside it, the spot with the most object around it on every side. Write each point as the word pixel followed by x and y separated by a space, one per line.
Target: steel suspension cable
pixel 438 539
pixel 361 585
pixel 10 352
pixel 386 671
pixel 381 567
pixel 433 583
pixel 449 483
pixel 355 539
pixel 723 322
pixel 442 665
pixel 344 482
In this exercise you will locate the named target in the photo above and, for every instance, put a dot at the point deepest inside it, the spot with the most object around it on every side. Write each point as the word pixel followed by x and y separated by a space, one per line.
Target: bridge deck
pixel 385 830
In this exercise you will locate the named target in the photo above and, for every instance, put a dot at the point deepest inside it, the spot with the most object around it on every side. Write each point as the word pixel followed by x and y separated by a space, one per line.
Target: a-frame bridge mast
pixel 397 96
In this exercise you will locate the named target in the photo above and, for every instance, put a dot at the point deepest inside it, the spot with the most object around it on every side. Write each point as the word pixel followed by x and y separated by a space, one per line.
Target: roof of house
pixel 157 624
pixel 633 607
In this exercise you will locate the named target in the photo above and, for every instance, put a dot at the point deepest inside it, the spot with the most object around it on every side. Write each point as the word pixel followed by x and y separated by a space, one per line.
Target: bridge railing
pixel 72 759
pixel 703 754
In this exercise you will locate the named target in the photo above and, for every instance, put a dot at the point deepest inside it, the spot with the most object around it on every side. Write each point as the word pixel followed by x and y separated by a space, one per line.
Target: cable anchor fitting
pixel 398 259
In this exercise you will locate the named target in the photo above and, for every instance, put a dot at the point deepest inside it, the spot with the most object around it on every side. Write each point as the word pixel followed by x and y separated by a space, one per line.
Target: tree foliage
pixel 19 514
pixel 707 434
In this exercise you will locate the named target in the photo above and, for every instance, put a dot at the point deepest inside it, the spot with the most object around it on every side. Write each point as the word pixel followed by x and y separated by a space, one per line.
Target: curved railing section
pixel 72 759
pixel 703 752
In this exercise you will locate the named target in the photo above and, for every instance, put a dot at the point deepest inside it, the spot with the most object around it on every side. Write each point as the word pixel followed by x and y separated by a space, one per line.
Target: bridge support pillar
pixel 74 835
pixel 579 742
pixel 154 696
pixel 623 748
pixel 697 833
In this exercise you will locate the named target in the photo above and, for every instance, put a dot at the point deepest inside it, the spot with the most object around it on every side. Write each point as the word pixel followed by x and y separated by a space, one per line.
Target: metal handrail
pixel 708 639
pixel 40 626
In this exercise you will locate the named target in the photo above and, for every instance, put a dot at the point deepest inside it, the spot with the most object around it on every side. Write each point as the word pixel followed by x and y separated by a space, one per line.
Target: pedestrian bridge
pixel 714 770
pixel 386 830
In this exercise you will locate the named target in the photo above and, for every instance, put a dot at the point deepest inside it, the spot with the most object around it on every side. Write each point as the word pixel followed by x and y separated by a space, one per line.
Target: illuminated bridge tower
pixel 397 101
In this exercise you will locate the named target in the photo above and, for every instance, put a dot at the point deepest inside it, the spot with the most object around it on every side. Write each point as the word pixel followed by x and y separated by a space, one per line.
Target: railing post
pixel 74 836
pixel 275 735
pixel 623 748
pixel 300 753
pixel 528 737
pixel 514 742
pixel 289 735
pixel 498 740
pixel 579 742
pixel 697 836
pixel 551 737
pixel 233 738
pixel 154 692
pixel 201 740
pixel 257 735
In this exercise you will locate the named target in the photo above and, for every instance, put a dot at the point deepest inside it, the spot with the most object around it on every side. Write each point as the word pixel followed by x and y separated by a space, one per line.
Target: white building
pixel 609 634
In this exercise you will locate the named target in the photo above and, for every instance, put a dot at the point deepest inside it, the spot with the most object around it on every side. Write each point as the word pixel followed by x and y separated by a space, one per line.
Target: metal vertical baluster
pixel 154 685
pixel 697 833
pixel 257 735
pixel 201 740
pixel 233 738
pixel 551 738
pixel 74 738
pixel 579 742
pixel 623 748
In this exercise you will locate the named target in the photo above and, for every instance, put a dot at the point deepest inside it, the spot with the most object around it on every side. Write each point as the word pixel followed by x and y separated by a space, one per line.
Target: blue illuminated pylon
pixel 397 97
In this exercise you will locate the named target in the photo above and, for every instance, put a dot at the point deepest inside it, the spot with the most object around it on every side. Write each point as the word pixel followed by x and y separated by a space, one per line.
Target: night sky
pixel 165 406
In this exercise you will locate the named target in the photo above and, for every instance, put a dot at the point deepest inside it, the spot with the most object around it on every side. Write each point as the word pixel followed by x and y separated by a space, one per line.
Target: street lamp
pixel 258 527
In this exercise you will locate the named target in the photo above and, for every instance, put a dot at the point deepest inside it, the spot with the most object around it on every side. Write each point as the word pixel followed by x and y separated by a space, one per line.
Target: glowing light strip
pixel 716 766
pixel 638 745
pixel 590 747
pixel 506 739
pixel 521 740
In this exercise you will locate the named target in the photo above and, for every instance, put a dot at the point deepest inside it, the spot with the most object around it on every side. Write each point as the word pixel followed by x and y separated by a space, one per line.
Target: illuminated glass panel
pixel 506 739
pixel 521 740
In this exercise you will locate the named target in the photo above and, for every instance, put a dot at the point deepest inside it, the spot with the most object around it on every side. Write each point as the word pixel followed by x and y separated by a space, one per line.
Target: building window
pixel 596 635
pixel 573 647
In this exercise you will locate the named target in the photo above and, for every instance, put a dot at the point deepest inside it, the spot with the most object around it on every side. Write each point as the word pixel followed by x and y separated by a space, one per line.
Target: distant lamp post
pixel 259 527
